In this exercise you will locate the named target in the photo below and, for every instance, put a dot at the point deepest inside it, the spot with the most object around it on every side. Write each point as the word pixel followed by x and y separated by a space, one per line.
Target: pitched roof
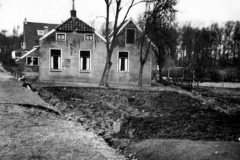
pixel 31 35
pixel 75 24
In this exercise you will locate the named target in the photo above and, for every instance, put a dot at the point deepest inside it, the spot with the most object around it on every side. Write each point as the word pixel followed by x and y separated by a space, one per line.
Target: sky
pixel 199 12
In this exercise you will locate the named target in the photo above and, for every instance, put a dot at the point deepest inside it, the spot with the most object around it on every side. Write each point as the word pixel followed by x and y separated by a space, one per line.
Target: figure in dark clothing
pixel 25 84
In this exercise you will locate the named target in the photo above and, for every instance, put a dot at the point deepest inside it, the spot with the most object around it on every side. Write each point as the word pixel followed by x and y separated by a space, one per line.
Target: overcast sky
pixel 201 12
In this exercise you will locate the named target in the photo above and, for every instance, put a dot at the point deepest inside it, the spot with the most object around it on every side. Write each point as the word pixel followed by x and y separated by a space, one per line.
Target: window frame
pixel 32 58
pixel 65 37
pixel 85 35
pixel 55 70
pixel 80 63
pixel 40 32
pixel 128 63
pixel 127 36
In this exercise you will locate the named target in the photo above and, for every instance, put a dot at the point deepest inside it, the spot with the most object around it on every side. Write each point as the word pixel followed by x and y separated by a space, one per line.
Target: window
pixel 85 60
pixel 32 61
pixel 89 37
pixel 123 61
pixel 40 32
pixel 130 39
pixel 61 36
pixel 55 59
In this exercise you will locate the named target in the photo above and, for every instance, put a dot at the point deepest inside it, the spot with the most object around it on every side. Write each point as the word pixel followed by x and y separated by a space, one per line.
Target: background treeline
pixel 212 52
pixel 7 45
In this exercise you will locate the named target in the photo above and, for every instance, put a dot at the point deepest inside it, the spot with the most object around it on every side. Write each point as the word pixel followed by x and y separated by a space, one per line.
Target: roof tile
pixel 75 24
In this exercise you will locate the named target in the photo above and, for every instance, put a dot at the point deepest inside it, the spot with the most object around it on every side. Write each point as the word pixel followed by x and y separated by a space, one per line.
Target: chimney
pixel 25 20
pixel 73 11
pixel 45 30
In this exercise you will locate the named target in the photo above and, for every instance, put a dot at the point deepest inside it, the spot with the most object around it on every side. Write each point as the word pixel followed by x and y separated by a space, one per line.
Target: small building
pixel 28 55
pixel 74 52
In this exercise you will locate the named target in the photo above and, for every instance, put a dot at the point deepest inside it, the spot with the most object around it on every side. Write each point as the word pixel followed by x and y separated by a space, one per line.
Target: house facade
pixel 75 52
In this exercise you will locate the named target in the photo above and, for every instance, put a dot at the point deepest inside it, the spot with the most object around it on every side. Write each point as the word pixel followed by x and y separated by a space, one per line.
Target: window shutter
pixel 119 64
pixel 126 64
pixel 51 58
pixel 88 64
pixel 59 62
pixel 81 63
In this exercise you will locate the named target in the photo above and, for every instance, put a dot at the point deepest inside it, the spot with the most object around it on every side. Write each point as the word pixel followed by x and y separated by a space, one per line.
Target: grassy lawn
pixel 30 133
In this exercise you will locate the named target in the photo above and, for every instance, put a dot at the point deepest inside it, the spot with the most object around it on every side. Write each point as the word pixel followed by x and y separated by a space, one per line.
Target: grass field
pixel 29 133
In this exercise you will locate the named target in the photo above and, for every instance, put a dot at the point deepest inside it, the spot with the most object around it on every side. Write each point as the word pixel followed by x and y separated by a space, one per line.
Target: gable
pixel 128 35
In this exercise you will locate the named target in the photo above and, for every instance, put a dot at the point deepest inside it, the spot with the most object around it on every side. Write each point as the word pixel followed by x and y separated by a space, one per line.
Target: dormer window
pixel 40 32
pixel 130 36
pixel 61 36
pixel 89 37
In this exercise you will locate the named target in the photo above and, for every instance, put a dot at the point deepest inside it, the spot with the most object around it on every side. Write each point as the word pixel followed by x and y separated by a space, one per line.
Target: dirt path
pixel 220 85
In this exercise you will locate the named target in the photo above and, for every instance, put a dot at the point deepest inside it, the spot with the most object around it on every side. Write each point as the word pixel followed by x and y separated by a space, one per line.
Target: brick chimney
pixel 45 30
pixel 73 11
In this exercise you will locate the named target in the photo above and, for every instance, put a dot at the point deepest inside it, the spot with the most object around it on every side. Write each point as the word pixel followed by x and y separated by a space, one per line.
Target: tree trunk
pixel 104 79
pixel 160 73
pixel 140 74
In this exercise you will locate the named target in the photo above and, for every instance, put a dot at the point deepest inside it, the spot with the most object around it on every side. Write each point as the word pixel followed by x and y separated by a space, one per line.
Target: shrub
pixel 215 75
pixel 229 75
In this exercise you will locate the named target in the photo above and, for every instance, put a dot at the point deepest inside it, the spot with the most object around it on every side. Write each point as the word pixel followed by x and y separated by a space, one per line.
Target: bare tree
pixel 111 39
pixel 145 45
pixel 103 28
pixel 144 55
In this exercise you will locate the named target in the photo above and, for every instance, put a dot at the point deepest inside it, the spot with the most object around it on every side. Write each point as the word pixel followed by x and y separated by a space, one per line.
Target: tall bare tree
pixel 117 6
pixel 145 46
pixel 145 43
